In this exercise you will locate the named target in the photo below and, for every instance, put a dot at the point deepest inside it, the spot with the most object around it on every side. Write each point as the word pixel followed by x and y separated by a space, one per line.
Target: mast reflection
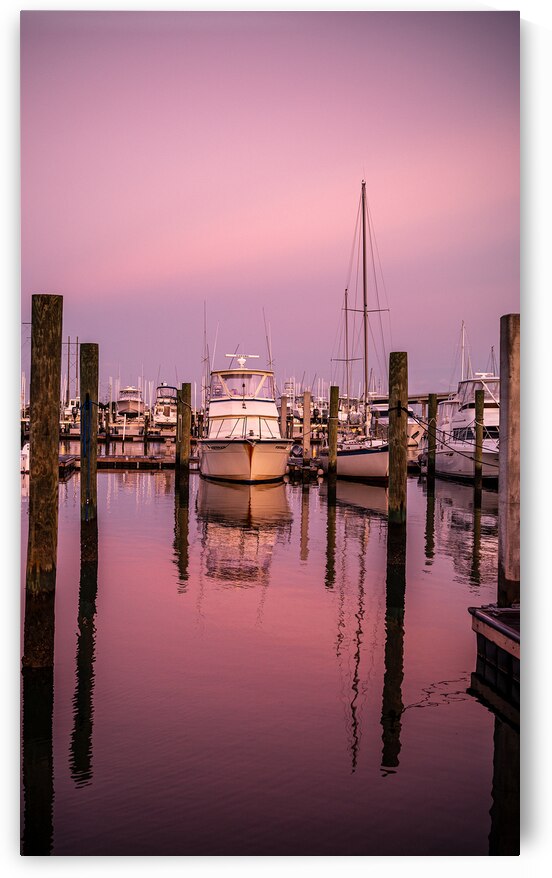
pixel 80 761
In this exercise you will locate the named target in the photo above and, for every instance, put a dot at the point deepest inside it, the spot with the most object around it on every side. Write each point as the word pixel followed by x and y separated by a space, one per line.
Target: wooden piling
pixel 183 430
pixel 306 426
pixel 46 318
pixel 332 431
pixel 398 435
pixel 431 436
pixel 478 457
pixel 89 371
pixel 283 416
pixel 509 462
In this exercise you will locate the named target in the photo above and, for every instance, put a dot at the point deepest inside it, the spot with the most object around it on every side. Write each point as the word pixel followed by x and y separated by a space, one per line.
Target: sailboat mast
pixel 347 353
pixel 365 307
pixel 463 342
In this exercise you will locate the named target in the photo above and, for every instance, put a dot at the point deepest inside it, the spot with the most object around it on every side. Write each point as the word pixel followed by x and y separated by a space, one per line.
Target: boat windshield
pixel 240 384
pixel 166 392
pixel 490 386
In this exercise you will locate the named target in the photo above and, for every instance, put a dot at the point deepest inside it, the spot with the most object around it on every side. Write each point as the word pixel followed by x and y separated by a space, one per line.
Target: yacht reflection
pixel 467 531
pixel 80 761
pixel 240 526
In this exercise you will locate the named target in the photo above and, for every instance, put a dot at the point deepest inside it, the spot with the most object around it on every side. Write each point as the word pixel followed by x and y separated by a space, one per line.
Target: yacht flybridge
pixel 243 443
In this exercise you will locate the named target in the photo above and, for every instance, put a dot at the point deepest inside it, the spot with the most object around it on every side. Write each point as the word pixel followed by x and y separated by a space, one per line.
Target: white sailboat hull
pixel 242 460
pixel 370 462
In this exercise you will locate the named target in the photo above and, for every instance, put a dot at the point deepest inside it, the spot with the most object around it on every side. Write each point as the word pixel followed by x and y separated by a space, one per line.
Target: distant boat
pixel 361 457
pixel 380 424
pixel 25 455
pixel 129 402
pixel 243 443
pixel 165 408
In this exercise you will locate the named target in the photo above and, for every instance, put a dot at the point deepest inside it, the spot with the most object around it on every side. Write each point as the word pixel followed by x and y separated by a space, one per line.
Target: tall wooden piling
pixel 509 463
pixel 332 432
pixel 89 371
pixel 478 457
pixel 46 318
pixel 431 437
pixel 398 435
pixel 283 416
pixel 306 425
pixel 183 439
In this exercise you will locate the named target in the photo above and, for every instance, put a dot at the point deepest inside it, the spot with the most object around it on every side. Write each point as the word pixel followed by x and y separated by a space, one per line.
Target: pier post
pixel 478 457
pixel 306 426
pixel 431 437
pixel 398 435
pixel 47 311
pixel 332 432
pixel 89 431
pixel 509 464
pixel 283 416
pixel 183 442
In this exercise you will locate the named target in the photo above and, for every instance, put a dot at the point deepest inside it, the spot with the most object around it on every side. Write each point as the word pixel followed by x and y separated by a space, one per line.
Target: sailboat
pixel 361 456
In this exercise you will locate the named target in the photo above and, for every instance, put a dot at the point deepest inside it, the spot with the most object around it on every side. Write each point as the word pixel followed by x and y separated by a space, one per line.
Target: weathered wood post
pixel 44 442
pixel 89 431
pixel 306 425
pixel 185 450
pixel 431 437
pixel 509 463
pixel 478 457
pixel 38 638
pixel 332 431
pixel 179 430
pixel 283 416
pixel 398 435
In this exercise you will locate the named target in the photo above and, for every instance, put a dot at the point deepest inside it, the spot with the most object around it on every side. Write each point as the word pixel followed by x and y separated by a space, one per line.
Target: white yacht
pixel 243 442
pixel 455 446
pixel 129 402
pixel 165 408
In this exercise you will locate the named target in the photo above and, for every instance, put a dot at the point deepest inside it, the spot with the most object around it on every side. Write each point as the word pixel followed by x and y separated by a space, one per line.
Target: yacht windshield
pixel 242 384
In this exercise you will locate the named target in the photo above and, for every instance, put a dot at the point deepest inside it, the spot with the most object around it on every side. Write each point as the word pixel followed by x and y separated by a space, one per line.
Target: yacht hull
pixel 244 461
pixel 370 463
pixel 456 462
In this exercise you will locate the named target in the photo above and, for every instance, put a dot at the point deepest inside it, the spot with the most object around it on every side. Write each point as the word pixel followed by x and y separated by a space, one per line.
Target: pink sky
pixel 172 159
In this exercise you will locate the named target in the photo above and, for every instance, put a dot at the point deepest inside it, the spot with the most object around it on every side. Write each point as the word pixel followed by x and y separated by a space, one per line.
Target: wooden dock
pixel 498 649
pixel 137 462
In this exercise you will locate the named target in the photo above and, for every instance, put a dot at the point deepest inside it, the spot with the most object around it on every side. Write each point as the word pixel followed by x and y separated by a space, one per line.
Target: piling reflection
pixel 240 525
pixel 392 704
pixel 504 835
pixel 181 529
pixel 304 550
pixel 430 524
pixel 38 707
pixel 80 757
pixel 329 578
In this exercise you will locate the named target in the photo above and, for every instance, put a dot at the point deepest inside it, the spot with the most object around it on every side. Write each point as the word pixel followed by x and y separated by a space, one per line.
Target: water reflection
pixel 467 532
pixel 182 529
pixel 80 759
pixel 392 704
pixel 38 707
pixel 504 835
pixel 240 525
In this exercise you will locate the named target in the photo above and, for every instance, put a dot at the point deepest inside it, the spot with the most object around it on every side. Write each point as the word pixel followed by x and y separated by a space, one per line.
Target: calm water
pixel 248 675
